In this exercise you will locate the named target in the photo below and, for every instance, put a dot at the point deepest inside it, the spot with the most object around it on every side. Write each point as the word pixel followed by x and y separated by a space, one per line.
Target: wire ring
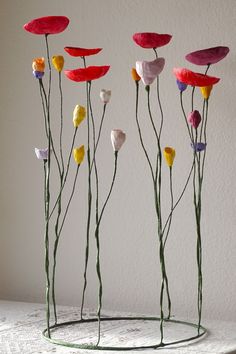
pixel 202 332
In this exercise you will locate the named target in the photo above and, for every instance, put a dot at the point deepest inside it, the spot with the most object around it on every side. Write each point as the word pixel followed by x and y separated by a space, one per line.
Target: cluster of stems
pixel 56 207
pixel 163 228
pixel 200 135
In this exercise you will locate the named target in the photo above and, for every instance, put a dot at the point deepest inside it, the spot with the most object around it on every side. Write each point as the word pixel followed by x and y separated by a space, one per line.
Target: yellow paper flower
pixel 135 75
pixel 169 154
pixel 206 91
pixel 78 115
pixel 58 62
pixel 38 64
pixel 79 154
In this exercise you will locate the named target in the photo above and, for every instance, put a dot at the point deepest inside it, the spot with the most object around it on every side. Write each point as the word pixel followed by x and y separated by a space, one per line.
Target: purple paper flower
pixel 42 154
pixel 181 85
pixel 198 147
pixel 194 119
pixel 38 74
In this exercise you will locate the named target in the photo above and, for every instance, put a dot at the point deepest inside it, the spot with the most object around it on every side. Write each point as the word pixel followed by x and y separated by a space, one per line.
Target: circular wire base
pixel 202 331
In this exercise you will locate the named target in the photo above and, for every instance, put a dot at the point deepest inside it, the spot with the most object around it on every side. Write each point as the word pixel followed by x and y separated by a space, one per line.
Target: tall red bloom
pixel 87 74
pixel 82 52
pixel 194 79
pixel 151 40
pixel 47 25
pixel 207 56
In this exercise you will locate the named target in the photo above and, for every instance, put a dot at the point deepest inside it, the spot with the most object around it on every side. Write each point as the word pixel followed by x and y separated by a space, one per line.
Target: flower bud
pixel 105 95
pixel 206 91
pixel 78 115
pixel 194 119
pixel 181 85
pixel 38 64
pixel 117 139
pixel 198 147
pixel 42 154
pixel 38 74
pixel 169 154
pixel 58 62
pixel 78 154
pixel 135 75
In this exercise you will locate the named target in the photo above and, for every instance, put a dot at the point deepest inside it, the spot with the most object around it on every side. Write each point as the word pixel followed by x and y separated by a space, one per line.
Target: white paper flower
pixel 105 95
pixel 149 70
pixel 42 154
pixel 117 139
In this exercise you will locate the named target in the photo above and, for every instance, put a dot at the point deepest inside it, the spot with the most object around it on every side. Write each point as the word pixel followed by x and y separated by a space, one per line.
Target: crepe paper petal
pixel 42 154
pixel 198 147
pixel 135 75
pixel 169 154
pixel 79 114
pixel 58 62
pixel 105 95
pixel 206 91
pixel 117 139
pixel 195 79
pixel 38 74
pixel 78 154
pixel 87 74
pixel 181 86
pixel 82 52
pixel 151 40
pixel 47 25
pixel 207 56
pixel 38 64
pixel 194 119
pixel 149 70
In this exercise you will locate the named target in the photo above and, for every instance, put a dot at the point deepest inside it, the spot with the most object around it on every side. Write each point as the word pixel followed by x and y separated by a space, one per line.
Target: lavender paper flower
pixel 42 154
pixel 198 147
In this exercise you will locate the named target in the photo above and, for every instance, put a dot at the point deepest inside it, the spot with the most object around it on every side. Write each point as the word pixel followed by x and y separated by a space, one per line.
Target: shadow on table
pixel 231 352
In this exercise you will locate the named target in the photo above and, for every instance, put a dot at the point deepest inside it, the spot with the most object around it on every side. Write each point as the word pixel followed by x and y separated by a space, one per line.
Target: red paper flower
pixel 194 79
pixel 151 40
pixel 47 25
pixel 82 52
pixel 207 56
pixel 87 74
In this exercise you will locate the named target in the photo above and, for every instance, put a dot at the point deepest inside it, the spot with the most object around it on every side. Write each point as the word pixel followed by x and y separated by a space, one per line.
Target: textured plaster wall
pixel 128 234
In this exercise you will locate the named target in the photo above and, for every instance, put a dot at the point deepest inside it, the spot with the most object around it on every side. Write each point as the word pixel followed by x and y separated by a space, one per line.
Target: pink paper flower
pixel 194 119
pixel 151 40
pixel 149 70
pixel 207 56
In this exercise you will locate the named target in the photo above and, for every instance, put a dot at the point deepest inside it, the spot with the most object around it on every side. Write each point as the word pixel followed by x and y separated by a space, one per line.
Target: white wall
pixel 128 235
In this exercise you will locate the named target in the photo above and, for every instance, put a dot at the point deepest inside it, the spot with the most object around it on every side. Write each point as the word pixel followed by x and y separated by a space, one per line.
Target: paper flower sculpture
pixel 195 79
pixel 206 91
pixel 42 154
pixel 194 119
pixel 47 25
pixel 82 52
pixel 58 62
pixel 207 56
pixel 149 70
pixel 78 115
pixel 198 147
pixel 78 154
pixel 117 139
pixel 87 74
pixel 38 64
pixel 181 86
pixel 169 154
pixel 135 75
pixel 151 40
pixel 38 74
pixel 105 95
